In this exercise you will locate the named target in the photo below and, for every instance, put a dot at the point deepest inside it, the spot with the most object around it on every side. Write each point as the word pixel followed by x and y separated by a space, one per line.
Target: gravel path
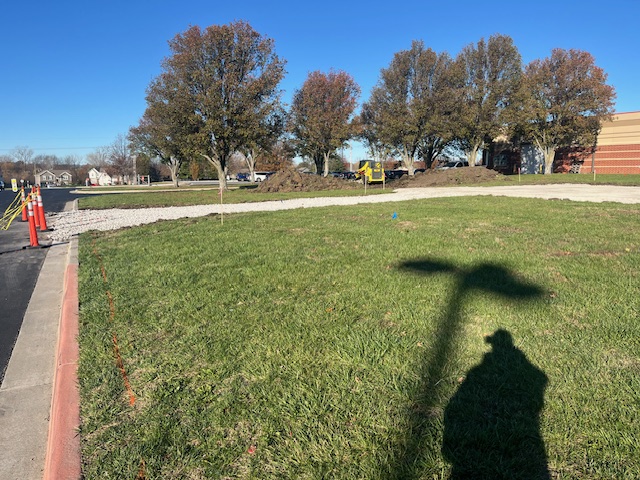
pixel 67 224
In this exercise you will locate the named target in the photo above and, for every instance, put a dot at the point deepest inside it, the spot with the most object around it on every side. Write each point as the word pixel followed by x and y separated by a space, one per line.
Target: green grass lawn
pixel 203 196
pixel 497 336
pixel 141 197
pixel 598 179
pixel 587 179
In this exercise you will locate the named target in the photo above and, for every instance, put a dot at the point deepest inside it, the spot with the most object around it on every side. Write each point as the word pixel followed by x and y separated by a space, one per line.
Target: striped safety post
pixel 33 233
pixel 23 197
pixel 43 221
pixel 34 205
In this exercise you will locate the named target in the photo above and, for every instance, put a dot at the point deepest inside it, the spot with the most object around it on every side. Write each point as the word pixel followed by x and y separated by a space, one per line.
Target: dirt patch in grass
pixel 443 178
pixel 290 180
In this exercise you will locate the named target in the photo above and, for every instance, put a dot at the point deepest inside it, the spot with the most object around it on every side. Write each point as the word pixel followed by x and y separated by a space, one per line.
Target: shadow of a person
pixel 490 279
pixel 491 424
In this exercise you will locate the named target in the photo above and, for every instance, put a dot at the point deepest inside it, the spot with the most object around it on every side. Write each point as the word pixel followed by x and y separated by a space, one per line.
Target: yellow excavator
pixel 370 171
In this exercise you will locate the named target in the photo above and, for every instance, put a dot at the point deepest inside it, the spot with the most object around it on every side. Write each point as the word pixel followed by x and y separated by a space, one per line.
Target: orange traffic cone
pixel 33 234
pixel 24 204
pixel 34 205
pixel 43 221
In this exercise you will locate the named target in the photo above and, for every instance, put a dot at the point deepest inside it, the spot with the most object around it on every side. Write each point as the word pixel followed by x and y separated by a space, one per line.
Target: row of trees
pixel 115 159
pixel 22 163
pixel 217 97
pixel 426 102
pixel 120 162
pixel 217 100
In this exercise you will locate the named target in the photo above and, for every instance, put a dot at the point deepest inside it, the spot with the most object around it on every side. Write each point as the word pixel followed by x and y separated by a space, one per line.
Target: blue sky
pixel 73 74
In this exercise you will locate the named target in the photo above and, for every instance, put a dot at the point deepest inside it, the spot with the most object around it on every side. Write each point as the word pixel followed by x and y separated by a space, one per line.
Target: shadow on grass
pixel 492 385
pixel 491 424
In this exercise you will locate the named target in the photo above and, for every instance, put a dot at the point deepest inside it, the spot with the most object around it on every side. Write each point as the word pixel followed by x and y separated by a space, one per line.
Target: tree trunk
pixel 251 164
pixel 174 165
pixel 472 155
pixel 222 176
pixel 428 158
pixel 222 170
pixel 318 161
pixel 549 156
pixel 407 162
pixel 325 166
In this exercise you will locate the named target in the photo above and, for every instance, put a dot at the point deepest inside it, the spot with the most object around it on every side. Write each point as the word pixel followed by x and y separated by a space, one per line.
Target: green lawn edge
pixel 335 342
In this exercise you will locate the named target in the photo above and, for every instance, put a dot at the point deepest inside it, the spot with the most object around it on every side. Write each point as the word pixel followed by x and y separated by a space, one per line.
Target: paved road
pixel 19 269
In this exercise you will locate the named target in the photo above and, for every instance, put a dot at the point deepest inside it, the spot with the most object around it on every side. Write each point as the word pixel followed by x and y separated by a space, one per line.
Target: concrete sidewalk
pixel 25 394
pixel 36 417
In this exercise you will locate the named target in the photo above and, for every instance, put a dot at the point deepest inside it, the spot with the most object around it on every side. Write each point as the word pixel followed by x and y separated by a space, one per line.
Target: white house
pixel 99 177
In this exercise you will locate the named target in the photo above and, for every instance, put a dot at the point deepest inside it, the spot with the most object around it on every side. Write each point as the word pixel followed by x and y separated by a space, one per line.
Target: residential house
pixel 54 177
pixel 99 177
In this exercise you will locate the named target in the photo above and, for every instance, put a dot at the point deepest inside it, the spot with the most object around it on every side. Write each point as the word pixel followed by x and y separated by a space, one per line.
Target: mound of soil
pixel 290 180
pixel 442 178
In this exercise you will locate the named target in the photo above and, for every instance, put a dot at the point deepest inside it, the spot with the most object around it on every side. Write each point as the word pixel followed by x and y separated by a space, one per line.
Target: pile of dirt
pixel 443 178
pixel 290 180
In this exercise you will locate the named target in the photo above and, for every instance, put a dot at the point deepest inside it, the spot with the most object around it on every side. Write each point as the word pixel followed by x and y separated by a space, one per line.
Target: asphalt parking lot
pixel 19 268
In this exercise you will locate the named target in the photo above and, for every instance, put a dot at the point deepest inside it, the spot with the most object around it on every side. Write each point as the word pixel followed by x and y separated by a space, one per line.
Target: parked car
pixel 242 177
pixel 262 176
pixel 349 175
pixel 453 164
pixel 394 174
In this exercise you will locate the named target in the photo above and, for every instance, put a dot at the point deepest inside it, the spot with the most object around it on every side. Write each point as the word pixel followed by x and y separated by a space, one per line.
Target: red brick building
pixel 618 148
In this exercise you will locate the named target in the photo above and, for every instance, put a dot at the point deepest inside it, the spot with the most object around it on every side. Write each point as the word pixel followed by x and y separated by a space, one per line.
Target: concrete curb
pixel 63 458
